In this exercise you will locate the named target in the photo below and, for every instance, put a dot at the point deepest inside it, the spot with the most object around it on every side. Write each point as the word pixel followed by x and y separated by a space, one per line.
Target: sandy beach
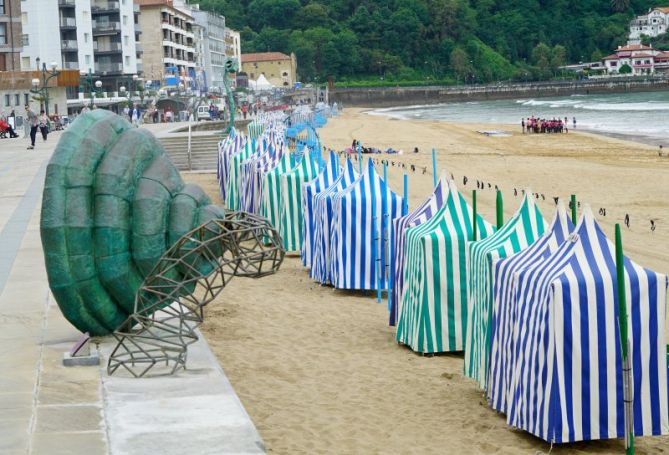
pixel 318 370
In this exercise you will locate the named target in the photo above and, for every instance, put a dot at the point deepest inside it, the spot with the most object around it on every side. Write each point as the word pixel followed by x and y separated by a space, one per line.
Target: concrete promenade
pixel 46 408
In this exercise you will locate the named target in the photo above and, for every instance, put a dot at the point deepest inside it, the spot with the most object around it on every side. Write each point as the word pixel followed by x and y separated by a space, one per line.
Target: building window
pixel 88 59
pixel 2 6
pixel 24 19
pixel 25 40
pixel 3 33
pixel 7 100
pixel 26 98
pixel 125 40
pixel 127 61
pixel 86 37
pixel 25 62
pixel 17 98
pixel 125 20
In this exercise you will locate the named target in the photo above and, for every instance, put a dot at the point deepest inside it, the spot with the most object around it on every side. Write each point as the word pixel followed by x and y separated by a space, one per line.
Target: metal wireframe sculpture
pixel 168 311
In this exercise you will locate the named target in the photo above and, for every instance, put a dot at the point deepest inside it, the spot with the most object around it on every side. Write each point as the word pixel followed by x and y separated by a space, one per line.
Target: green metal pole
pixel 500 210
pixel 475 216
pixel 434 166
pixel 622 322
pixel 573 208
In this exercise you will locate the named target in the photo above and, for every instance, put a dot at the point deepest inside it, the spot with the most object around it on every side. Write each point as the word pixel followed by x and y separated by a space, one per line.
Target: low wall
pixel 403 96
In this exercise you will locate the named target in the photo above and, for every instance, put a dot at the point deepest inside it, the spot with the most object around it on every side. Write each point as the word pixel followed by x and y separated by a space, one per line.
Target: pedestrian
pixel 522 124
pixel 660 149
pixel 33 122
pixel 245 110
pixel 136 115
pixel 85 109
pixel 415 149
pixel 43 124
pixel 574 122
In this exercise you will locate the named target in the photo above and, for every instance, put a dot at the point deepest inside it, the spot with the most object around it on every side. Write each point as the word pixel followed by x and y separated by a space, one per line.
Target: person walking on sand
pixel 522 124
pixel 33 122
pixel 574 122
pixel 43 125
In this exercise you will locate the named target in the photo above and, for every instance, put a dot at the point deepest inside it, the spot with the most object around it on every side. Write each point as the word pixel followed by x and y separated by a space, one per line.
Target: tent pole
pixel 624 340
pixel 375 247
pixel 475 216
pixel 359 147
pixel 405 199
pixel 384 213
pixel 573 209
pixel 434 166
pixel 500 210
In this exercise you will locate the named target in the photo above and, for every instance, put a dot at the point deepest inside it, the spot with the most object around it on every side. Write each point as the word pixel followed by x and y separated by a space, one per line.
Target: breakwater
pixel 404 96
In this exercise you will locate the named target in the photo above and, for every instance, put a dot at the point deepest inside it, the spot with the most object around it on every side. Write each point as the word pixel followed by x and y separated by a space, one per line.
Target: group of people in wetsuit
pixel 537 125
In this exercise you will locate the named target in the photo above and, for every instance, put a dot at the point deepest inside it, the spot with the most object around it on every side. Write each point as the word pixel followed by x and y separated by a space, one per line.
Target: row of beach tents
pixel 533 304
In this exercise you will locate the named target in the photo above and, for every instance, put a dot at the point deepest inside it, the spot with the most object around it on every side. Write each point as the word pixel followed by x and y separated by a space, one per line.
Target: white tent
pixel 261 84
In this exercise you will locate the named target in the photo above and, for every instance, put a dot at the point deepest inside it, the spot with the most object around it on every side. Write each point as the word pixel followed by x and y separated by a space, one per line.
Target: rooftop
pixel 264 57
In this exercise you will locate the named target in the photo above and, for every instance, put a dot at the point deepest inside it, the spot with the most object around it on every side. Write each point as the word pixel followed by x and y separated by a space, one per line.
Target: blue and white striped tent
pixel 253 173
pixel 270 189
pixel 309 190
pixel 433 313
pixel 322 203
pixel 398 238
pixel 356 223
pixel 523 229
pixel 567 381
pixel 227 148
pixel 504 310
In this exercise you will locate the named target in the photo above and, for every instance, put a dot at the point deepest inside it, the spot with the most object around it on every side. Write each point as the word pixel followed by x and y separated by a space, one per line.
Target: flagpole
pixel 474 216
pixel 500 210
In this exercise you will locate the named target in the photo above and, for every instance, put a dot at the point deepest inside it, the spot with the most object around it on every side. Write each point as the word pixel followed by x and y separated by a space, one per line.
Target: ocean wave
pixel 622 107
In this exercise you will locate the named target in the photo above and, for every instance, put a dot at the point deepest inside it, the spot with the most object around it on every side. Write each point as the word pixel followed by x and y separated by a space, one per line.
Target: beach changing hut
pixel 227 148
pixel 322 221
pixel 504 309
pixel 567 381
pixel 523 229
pixel 232 193
pixel 357 234
pixel 398 238
pixel 327 176
pixel 270 188
pixel 290 206
pixel 433 311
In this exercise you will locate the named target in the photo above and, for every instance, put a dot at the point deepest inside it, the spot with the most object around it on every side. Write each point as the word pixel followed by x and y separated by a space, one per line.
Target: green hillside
pixel 426 40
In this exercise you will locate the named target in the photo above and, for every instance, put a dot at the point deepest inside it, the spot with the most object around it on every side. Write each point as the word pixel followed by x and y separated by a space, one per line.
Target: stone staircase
pixel 204 151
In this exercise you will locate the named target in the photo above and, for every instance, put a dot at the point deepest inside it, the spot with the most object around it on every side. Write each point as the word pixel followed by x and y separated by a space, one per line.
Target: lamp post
pixel 41 87
pixel 97 92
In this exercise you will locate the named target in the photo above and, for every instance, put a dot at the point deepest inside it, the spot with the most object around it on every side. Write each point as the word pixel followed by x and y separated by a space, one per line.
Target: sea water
pixel 638 116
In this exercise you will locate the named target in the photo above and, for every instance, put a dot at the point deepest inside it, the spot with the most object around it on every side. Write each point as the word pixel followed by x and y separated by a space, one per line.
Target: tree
pixel 625 69
pixel 272 13
pixel 460 65
pixel 312 15
pixel 541 57
pixel 558 57
pixel 620 5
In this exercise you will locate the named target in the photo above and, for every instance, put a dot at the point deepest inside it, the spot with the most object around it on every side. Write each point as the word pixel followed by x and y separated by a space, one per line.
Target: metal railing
pixel 69 45
pixel 71 65
pixel 68 22
pixel 106 26
pixel 111 47
pixel 66 3
pixel 108 67
pixel 104 6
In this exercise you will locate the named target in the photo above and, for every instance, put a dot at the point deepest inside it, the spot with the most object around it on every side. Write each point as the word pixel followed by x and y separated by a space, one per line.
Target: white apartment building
pixel 97 36
pixel 211 45
pixel 653 23
pixel 233 46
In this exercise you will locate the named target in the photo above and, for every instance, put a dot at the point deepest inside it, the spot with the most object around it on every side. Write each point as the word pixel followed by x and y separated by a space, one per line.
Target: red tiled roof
pixel 634 47
pixel 662 9
pixel 264 57
pixel 642 55
pixel 610 57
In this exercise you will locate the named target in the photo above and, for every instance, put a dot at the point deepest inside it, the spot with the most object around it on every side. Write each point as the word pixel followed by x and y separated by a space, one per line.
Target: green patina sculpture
pixel 113 204
pixel 231 67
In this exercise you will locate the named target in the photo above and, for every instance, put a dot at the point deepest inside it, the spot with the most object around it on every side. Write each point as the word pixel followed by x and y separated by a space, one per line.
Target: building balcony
pixel 71 65
pixel 138 28
pixel 66 3
pixel 106 28
pixel 68 22
pixel 140 67
pixel 69 45
pixel 107 48
pixel 105 7
pixel 108 67
pixel 139 47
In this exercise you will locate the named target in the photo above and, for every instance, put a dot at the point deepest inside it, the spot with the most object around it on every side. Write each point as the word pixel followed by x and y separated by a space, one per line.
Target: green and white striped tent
pixel 290 211
pixel 270 191
pixel 433 309
pixel 523 229
pixel 232 194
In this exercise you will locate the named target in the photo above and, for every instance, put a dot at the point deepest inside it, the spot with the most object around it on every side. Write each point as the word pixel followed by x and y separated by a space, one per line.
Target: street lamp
pixel 41 88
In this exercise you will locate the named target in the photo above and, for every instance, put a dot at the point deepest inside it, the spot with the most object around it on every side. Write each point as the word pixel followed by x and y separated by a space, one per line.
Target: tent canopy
pixel 260 84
